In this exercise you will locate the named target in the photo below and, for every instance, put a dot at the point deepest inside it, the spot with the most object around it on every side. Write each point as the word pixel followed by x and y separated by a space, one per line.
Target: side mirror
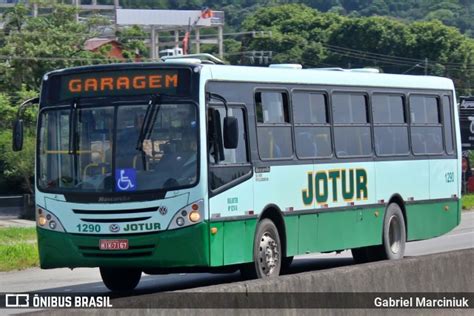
pixel 17 135
pixel 231 132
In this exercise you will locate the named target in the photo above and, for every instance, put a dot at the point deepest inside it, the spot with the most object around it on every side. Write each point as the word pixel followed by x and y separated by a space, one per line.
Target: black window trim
pixel 329 124
pixel 439 124
pixel 275 125
pixel 368 114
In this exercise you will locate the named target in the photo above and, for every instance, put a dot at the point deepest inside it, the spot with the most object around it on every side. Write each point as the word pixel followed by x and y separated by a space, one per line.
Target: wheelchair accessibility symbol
pixel 125 179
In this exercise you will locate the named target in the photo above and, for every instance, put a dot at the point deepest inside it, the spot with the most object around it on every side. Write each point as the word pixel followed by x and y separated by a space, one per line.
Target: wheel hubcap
pixel 268 254
pixel 394 234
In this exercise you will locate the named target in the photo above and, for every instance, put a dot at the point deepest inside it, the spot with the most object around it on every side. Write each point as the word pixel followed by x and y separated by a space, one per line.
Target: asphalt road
pixel 87 280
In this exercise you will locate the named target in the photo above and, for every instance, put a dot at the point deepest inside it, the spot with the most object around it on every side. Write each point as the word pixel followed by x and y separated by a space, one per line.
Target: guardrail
pixel 19 206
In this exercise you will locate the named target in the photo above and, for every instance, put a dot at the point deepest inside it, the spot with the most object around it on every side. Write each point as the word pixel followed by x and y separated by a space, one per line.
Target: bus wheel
pixel 266 253
pixel 120 279
pixel 394 235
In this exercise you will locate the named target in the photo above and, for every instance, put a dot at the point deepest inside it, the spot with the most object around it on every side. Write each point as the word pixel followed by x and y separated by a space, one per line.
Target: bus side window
pixel 312 128
pixel 426 125
pixel 448 124
pixel 351 124
pixel 273 125
pixel 226 165
pixel 390 125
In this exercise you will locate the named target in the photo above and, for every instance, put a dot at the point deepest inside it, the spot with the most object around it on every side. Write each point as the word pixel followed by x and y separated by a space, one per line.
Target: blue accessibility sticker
pixel 125 179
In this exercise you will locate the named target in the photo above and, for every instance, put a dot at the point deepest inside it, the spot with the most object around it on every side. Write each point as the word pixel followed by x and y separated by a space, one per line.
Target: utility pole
pixel 197 35
pixel 426 66
pixel 153 43
pixel 220 40
pixel 116 6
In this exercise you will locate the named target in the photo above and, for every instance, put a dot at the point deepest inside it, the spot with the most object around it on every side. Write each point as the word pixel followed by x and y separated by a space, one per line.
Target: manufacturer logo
pixel 163 210
pixel 17 300
pixel 114 228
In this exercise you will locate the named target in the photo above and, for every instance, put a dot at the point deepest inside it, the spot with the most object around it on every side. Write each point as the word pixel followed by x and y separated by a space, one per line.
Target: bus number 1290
pixel 88 228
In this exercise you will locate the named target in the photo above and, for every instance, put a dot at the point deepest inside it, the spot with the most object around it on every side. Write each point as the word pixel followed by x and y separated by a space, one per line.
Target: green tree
pixel 34 46
pixel 45 43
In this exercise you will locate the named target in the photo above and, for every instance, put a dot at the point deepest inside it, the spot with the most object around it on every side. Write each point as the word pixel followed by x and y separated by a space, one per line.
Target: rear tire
pixel 393 239
pixel 394 234
pixel 266 253
pixel 120 279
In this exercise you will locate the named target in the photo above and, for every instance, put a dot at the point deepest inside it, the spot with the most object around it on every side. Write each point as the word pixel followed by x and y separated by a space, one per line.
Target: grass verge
pixel 18 248
pixel 468 202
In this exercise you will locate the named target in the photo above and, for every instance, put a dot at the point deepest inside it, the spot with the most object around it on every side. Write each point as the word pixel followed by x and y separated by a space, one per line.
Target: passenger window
pixel 424 110
pixel 426 129
pixel 390 127
pixel 349 108
pixel 448 124
pixel 352 135
pixel 273 125
pixel 388 109
pixel 226 165
pixel 309 108
pixel 312 130
pixel 272 107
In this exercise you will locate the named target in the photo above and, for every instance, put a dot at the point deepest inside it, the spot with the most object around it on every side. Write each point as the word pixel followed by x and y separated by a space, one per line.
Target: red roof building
pixel 94 44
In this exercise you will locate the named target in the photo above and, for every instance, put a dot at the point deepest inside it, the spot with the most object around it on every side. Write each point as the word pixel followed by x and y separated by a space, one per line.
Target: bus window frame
pixel 439 124
pixel 369 123
pixel 329 123
pixel 277 125
pixel 213 192
pixel 453 133
pixel 406 124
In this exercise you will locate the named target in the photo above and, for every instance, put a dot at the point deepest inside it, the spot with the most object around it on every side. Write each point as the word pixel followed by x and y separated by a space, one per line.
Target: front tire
pixel 267 255
pixel 120 279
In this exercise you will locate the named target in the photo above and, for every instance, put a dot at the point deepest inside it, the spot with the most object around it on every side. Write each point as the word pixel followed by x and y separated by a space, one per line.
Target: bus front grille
pixel 109 212
pixel 115 220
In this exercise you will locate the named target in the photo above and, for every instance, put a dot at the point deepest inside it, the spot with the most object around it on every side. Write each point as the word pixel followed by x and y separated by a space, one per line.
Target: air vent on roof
pixel 288 66
pixel 183 61
pixel 369 70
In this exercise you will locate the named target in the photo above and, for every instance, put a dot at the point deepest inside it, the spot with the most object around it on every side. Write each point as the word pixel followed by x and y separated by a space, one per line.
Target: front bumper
pixel 183 247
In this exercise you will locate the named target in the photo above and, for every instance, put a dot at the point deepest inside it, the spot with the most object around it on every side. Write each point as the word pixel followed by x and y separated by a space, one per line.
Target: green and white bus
pixel 186 166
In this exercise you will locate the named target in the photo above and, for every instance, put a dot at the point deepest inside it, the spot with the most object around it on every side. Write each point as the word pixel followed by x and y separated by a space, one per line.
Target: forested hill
pixel 458 13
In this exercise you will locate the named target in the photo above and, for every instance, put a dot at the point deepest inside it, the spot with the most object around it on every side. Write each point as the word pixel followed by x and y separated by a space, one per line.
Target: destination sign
pixel 123 83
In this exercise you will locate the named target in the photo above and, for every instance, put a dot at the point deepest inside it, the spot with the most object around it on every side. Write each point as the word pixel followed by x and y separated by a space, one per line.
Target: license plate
pixel 113 244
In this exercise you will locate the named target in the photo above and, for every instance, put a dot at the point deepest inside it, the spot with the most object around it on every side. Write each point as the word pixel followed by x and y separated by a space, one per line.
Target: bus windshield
pixel 108 156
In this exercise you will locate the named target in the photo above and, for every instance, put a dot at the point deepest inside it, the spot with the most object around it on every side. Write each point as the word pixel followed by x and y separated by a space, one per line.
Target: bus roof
pixel 325 77
pixel 286 75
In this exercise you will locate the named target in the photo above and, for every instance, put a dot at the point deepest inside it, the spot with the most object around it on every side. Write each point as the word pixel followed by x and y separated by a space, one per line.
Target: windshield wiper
pixel 147 126
pixel 73 128
pixel 148 121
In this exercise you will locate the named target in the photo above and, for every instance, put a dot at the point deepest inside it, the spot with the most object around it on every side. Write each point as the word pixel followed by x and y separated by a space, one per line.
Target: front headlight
pixel 189 215
pixel 47 220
